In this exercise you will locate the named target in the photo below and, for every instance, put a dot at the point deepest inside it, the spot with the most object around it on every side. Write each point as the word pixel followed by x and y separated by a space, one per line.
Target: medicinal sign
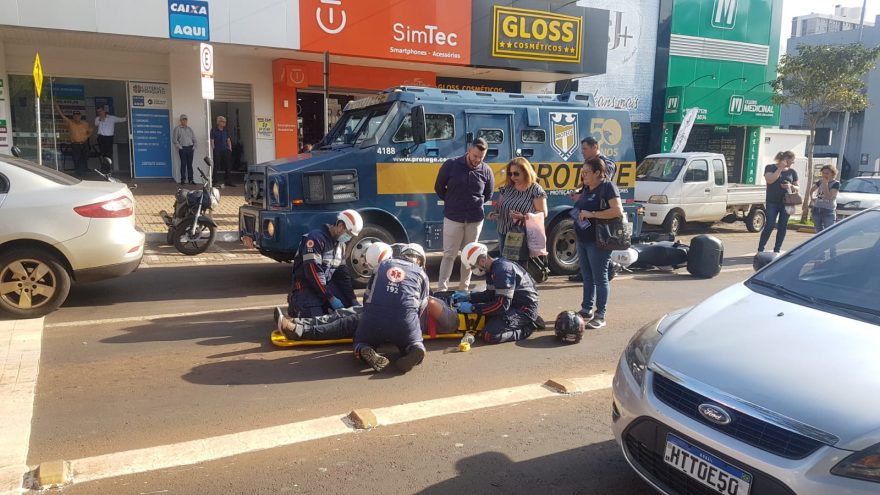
pixel 206 65
pixel 38 75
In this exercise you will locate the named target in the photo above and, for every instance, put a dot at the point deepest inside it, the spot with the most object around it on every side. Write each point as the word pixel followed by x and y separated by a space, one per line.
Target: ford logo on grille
pixel 715 414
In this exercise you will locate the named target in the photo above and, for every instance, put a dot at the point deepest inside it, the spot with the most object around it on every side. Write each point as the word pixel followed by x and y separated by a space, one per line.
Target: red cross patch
pixel 395 275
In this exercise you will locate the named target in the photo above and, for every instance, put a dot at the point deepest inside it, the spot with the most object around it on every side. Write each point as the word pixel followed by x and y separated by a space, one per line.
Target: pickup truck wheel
pixel 673 223
pixel 357 249
pixel 33 283
pixel 562 248
pixel 756 220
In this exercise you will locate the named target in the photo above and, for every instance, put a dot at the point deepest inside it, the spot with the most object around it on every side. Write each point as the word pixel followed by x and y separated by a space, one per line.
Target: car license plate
pixel 248 241
pixel 706 468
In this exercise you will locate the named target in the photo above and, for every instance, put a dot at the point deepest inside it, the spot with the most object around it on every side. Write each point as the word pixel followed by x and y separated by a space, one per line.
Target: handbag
pixel 515 247
pixel 792 199
pixel 614 234
pixel 535 234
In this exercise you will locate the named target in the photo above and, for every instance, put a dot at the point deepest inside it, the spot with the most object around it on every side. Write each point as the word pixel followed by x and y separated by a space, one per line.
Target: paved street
pixel 176 359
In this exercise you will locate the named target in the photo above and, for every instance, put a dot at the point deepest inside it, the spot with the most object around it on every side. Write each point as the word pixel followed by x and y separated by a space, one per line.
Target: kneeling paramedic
pixel 396 296
pixel 342 323
pixel 510 302
pixel 321 282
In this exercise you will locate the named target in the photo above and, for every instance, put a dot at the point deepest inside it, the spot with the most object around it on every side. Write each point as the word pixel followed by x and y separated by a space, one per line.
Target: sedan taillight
pixel 114 208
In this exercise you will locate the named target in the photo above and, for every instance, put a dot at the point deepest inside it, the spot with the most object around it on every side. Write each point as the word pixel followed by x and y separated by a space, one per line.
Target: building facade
pixel 862 150
pixel 717 56
pixel 142 62
pixel 844 19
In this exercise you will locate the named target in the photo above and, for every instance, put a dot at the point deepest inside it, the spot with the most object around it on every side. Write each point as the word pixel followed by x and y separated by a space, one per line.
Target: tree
pixel 821 80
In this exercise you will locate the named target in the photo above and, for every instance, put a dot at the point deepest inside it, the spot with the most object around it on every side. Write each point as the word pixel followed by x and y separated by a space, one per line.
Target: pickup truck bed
pixel 741 194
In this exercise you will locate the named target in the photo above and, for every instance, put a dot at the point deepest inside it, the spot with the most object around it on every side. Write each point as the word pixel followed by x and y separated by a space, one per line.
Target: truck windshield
pixel 356 125
pixel 659 169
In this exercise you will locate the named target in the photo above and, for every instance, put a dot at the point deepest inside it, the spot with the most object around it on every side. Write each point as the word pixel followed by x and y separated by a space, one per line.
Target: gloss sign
pixel 536 35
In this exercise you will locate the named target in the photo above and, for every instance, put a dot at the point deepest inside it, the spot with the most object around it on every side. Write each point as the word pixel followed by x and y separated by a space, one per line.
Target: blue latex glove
pixel 335 303
pixel 466 307
pixel 460 296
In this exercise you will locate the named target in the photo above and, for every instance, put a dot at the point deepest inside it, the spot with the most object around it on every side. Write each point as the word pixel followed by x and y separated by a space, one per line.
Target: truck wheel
pixel 357 248
pixel 562 248
pixel 756 220
pixel 673 223
pixel 33 283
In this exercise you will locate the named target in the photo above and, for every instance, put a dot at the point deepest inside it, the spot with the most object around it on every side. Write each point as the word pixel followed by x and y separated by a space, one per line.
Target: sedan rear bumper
pixel 109 271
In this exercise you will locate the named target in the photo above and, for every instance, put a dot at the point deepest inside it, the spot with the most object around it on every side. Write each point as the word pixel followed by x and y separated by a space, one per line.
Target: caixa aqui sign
pixel 188 20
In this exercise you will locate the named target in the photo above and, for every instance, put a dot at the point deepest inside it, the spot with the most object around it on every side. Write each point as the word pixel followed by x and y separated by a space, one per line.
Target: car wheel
pixel 756 220
pixel 191 245
pixel 562 253
pixel 673 223
pixel 357 249
pixel 33 283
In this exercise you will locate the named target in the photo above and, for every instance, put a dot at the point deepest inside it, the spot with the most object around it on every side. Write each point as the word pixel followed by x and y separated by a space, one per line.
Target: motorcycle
pixel 191 229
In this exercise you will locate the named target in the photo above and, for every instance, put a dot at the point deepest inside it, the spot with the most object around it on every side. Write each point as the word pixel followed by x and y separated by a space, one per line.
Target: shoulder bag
pixel 614 234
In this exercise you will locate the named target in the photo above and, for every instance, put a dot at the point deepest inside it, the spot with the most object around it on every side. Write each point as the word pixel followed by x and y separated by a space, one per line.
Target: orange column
pixel 287 76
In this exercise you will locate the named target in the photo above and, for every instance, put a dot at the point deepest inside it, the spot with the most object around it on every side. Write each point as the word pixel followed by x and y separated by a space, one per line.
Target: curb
pixel 222 236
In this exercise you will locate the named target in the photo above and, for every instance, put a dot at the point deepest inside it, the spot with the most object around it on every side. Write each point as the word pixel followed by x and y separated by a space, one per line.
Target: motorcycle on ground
pixel 191 230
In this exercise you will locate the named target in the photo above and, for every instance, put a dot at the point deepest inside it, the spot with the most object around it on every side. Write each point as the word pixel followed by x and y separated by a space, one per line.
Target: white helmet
pixel 625 257
pixel 471 253
pixel 376 253
pixel 413 252
pixel 352 220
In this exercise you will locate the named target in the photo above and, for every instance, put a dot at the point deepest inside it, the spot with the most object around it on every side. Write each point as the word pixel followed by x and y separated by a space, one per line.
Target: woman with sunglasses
pixel 520 195
pixel 599 199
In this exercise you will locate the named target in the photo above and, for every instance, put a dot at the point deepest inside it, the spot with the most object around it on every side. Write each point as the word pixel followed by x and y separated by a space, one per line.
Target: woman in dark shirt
pixel 781 179
pixel 600 199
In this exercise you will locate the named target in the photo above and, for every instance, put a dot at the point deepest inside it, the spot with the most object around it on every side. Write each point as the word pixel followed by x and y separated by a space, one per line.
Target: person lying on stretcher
pixel 439 317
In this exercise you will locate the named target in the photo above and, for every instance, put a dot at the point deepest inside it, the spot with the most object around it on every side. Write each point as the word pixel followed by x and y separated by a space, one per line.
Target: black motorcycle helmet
pixel 569 327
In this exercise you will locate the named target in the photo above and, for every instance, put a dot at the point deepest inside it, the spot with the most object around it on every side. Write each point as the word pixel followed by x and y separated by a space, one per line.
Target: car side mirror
pixel 763 259
pixel 16 151
pixel 106 162
pixel 419 127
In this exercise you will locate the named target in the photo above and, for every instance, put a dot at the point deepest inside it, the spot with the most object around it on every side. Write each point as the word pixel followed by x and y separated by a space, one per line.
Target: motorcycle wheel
pixel 192 245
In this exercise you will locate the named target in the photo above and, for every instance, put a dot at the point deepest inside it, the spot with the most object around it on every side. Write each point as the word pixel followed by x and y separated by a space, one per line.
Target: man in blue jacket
pixel 464 184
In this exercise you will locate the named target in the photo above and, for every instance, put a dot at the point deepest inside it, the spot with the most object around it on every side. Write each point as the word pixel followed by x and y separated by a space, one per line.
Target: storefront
pixel 722 58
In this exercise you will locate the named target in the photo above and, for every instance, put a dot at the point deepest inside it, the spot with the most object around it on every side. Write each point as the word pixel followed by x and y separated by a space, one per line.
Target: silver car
pixel 771 386
pixel 857 194
pixel 55 229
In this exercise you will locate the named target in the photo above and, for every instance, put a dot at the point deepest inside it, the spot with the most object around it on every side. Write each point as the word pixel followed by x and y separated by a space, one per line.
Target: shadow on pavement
pixel 248 326
pixel 601 467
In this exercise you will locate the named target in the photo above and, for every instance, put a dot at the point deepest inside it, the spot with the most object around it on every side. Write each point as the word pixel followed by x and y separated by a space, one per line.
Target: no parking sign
pixel 206 65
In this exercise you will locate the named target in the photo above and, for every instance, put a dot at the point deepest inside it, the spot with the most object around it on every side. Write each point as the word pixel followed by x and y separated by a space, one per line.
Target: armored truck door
pixel 494 127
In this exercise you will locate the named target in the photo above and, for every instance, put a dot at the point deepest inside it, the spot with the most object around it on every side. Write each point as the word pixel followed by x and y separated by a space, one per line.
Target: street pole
pixel 39 131
pixel 862 20
pixel 326 93
pixel 210 148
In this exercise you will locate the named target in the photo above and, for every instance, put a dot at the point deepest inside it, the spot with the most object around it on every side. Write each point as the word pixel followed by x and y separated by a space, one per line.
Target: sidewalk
pixel 155 195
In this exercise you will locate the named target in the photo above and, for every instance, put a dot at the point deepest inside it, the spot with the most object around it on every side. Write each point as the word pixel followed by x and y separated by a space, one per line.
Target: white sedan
pixel 857 194
pixel 55 229
pixel 771 386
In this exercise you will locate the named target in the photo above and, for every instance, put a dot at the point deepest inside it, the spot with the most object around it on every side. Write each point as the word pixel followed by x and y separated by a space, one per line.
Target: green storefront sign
pixel 722 107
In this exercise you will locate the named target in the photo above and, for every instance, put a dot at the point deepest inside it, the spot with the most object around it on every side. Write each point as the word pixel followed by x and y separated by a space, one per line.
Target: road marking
pixel 137 319
pixel 20 346
pixel 213 448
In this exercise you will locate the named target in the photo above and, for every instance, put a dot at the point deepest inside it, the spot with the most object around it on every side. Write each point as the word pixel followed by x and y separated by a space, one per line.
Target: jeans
pixel 776 218
pixel 186 163
pixel 594 264
pixel 456 236
pixel 510 326
pixel 823 218
pixel 80 154
pixel 222 161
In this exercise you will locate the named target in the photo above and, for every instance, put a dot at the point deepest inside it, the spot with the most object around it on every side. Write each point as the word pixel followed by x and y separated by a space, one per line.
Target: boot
pixel 373 358
pixel 412 358
pixel 286 326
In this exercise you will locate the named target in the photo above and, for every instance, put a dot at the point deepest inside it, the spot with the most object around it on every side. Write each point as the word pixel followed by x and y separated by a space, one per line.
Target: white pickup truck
pixel 692 187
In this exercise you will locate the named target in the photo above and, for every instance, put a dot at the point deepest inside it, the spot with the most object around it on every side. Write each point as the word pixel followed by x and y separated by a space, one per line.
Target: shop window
pixel 439 126
pixel 492 136
pixel 698 171
pixel 720 172
pixel 533 136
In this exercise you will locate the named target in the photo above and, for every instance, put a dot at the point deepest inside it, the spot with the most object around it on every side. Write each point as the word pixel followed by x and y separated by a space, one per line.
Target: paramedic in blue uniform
pixel 396 296
pixel 319 282
pixel 510 302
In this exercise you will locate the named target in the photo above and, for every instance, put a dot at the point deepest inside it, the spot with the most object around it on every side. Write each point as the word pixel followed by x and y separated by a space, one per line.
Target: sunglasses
pixel 515 174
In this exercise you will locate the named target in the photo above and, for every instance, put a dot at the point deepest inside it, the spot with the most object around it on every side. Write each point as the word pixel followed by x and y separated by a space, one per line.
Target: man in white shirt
pixel 106 125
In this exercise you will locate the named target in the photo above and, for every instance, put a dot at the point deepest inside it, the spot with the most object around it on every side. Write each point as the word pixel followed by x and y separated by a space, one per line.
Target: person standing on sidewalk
pixel 79 131
pixel 106 125
pixel 781 179
pixel 222 146
pixel 184 140
pixel 464 184
pixel 825 207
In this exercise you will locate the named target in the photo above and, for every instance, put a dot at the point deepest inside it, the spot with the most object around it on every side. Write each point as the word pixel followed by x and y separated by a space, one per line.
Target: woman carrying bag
pixel 519 196
pixel 600 200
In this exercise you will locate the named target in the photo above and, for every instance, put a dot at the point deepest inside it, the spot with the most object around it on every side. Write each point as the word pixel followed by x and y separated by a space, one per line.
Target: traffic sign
pixel 38 75
pixel 206 65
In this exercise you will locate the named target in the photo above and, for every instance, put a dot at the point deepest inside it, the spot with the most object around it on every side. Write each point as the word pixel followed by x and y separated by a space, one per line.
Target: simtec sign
pixel 539 35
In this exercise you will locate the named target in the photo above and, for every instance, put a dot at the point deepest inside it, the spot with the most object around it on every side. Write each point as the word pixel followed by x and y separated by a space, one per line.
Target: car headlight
pixel 641 346
pixel 658 199
pixel 852 205
pixel 864 465
pixel 275 193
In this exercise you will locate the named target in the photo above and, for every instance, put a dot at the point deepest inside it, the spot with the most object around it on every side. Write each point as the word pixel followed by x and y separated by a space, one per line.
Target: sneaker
pixel 192 182
pixel 373 358
pixel 286 326
pixel 410 360
pixel 539 324
pixel 597 322
pixel 586 315
pixel 575 278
